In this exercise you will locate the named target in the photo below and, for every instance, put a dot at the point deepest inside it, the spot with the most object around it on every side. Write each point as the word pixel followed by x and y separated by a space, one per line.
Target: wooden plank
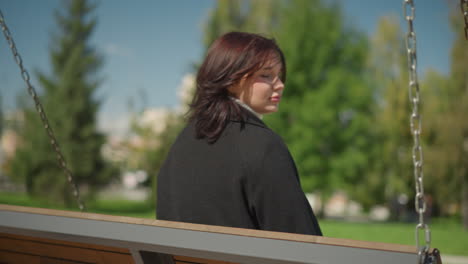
pixel 216 243
pixel 47 260
pixel 17 258
pixel 67 243
pixel 55 251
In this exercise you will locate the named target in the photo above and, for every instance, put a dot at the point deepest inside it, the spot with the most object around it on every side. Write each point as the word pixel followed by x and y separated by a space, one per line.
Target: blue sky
pixel 150 45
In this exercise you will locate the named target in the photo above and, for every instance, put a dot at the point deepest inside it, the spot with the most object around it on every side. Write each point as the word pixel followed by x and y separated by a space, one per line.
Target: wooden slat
pixel 16 258
pixel 56 251
pixel 67 243
pixel 46 260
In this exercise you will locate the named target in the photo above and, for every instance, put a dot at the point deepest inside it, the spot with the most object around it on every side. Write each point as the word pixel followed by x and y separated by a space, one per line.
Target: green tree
pixel 2 117
pixel 256 16
pixel 225 17
pixel 326 116
pixel 439 183
pixel 448 158
pixel 391 173
pixel 459 91
pixel 69 101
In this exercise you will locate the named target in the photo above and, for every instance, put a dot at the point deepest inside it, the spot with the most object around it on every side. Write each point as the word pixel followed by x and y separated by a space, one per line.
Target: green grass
pixel 123 207
pixel 447 234
pixel 110 207
pixel 24 200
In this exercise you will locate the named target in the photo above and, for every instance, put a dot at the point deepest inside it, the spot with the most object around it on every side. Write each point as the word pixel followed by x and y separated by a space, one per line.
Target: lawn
pixel 447 234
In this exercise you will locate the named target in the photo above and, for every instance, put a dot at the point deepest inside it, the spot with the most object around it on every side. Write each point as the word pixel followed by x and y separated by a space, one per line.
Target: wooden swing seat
pixel 35 235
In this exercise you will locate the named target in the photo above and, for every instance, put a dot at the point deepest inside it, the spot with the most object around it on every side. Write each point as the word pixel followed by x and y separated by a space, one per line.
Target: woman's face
pixel 262 91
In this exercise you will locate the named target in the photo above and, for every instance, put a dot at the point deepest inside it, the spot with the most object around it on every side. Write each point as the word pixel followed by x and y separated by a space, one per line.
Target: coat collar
pixel 250 116
pixel 252 119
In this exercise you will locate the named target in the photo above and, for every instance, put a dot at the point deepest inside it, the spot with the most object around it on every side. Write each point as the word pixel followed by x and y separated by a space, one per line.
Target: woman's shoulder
pixel 254 134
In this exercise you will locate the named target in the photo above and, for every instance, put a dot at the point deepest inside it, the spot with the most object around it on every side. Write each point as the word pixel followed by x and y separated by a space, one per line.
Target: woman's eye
pixel 267 76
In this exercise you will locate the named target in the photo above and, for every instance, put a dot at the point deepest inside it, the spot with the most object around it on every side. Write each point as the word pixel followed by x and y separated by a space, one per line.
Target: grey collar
pixel 246 107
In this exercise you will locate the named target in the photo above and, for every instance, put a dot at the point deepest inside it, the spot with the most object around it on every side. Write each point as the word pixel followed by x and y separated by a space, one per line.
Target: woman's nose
pixel 278 85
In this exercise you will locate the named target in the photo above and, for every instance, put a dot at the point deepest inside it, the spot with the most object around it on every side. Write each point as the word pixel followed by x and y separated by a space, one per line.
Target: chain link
pixel 415 125
pixel 42 114
pixel 464 9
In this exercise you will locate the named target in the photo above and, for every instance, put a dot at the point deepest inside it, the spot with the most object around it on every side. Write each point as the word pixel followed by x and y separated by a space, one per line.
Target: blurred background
pixel 115 79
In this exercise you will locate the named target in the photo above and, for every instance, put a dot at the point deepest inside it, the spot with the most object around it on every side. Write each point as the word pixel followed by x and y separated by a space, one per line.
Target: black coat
pixel 246 179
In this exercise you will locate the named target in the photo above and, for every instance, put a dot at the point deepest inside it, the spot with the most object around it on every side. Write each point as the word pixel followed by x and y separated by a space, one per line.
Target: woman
pixel 227 167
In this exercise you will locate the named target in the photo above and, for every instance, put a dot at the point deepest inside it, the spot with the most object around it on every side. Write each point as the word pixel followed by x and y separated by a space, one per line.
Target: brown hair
pixel 231 57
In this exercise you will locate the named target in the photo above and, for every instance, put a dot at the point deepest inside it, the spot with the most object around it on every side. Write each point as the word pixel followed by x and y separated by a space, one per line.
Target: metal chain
pixel 42 114
pixel 464 9
pixel 415 125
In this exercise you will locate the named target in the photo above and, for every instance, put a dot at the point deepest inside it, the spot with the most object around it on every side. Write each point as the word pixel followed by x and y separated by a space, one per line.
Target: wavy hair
pixel 231 57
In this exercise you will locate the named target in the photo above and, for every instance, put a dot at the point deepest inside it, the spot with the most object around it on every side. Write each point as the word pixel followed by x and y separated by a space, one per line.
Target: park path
pixel 450 259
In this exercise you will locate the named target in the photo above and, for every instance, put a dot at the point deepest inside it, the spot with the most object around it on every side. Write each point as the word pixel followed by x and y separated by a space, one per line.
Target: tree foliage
pixel 71 106
pixel 255 16
pixel 443 105
pixel 391 174
pixel 325 117
pixel 447 160
pixel 459 91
